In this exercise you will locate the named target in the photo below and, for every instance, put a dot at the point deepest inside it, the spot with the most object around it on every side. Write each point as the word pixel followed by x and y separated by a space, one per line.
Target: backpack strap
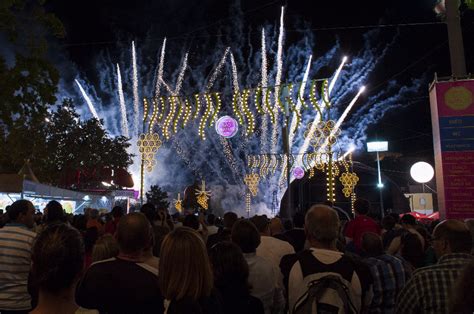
pixel 311 265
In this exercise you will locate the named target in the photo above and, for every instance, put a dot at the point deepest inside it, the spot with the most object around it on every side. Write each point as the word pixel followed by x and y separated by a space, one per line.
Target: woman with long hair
pixel 185 275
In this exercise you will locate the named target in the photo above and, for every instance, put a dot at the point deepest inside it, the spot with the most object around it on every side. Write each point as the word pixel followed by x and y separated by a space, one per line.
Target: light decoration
pixel 203 196
pixel 205 116
pixel 187 112
pixel 248 203
pixel 258 100
pixel 148 144
pixel 154 114
pixel 227 127
pixel 252 180
pixel 162 101
pixel 178 203
pixel 298 172
pixel 169 118
pixel 217 98
pixel 197 98
pixel 235 106
pixel 250 118
pixel 178 116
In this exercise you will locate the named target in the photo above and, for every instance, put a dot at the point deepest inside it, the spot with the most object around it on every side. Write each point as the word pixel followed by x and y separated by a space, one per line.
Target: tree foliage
pixel 157 197
pixel 64 145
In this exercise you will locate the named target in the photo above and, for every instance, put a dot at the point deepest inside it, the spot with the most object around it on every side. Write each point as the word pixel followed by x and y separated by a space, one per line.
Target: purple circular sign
pixel 227 127
pixel 298 172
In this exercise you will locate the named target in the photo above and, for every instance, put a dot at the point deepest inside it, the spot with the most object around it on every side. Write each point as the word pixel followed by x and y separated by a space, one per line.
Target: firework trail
pixel 159 75
pixel 299 103
pixel 123 109
pixel 264 83
pixel 88 101
pixel 279 61
pixel 136 109
pixel 217 70
pixel 179 81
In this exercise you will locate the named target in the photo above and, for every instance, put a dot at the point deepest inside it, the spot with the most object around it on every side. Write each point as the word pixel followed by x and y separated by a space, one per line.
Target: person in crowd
pixel 196 223
pixel 429 255
pixel 223 235
pixel 111 226
pixel 158 223
pixel 185 274
pixel 429 289
pixel 54 214
pixel 389 274
pixel 389 230
pixel 470 225
pixel 324 261
pixel 211 224
pixel 277 230
pixel 90 236
pixel 94 221
pixel 271 248
pixel 263 275
pixel 408 223
pixel 231 274
pixel 16 241
pixel 361 224
pixel 124 284
pixel 296 235
pixel 462 296
pixel 411 250
pixel 57 264
pixel 106 247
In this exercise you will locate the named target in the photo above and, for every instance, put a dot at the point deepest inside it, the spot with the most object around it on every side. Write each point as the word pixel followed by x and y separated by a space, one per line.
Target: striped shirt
pixel 15 258
pixel 390 275
pixel 429 289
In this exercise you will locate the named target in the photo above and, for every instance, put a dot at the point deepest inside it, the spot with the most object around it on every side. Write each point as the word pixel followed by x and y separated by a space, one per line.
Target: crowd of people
pixel 150 262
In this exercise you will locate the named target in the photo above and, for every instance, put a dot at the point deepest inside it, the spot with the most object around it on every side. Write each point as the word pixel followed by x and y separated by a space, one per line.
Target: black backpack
pixel 329 289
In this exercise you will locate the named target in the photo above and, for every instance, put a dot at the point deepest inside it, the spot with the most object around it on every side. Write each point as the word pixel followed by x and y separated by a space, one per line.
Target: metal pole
pixel 380 186
pixel 456 45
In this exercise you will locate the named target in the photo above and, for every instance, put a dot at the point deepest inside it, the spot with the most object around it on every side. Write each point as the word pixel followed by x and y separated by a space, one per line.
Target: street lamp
pixel 378 147
pixel 422 172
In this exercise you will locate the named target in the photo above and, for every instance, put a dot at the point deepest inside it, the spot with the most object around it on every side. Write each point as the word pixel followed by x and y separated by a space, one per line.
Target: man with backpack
pixel 322 279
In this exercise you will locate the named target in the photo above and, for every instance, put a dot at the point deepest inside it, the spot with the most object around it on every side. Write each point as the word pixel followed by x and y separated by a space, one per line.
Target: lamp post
pixel 378 147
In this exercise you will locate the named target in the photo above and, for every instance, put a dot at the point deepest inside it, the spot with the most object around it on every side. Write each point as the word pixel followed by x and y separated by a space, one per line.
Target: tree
pixel 157 197
pixel 28 83
pixel 63 146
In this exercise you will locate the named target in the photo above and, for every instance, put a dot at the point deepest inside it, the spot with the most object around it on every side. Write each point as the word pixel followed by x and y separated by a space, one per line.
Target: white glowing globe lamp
pixel 422 172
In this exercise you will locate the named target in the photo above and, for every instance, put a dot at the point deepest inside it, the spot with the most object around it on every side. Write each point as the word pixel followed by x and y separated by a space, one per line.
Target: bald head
pixel 322 224
pixel 134 233
pixel 455 234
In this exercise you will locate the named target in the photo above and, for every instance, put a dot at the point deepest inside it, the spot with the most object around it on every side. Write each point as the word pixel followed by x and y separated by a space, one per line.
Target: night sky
pixel 419 50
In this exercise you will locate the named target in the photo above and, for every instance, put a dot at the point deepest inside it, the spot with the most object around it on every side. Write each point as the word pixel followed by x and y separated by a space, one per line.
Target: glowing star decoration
pixel 178 203
pixel 251 180
pixel 203 196
pixel 148 145
pixel 298 172
pixel 227 127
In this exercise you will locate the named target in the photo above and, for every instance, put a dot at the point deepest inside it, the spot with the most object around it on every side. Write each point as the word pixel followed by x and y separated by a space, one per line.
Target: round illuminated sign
pixel 298 172
pixel 422 172
pixel 227 127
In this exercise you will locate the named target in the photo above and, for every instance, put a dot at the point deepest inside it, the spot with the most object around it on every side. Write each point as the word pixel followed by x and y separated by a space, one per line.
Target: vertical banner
pixel 452 117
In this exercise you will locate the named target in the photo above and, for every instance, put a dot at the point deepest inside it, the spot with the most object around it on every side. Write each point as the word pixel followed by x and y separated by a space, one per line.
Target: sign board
pixel 452 117
pixel 377 147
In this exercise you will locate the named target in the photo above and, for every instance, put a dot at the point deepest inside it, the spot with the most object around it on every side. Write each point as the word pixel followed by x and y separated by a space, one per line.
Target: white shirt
pixel 212 230
pixel 274 249
pixel 263 280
